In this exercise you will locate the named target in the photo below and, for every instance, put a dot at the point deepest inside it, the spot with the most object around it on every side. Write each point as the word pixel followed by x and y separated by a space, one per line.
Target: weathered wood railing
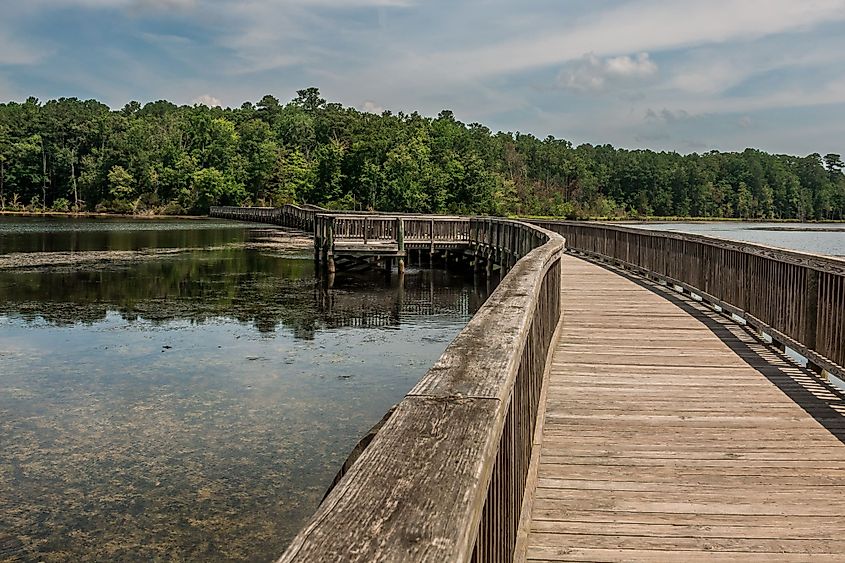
pixel 287 216
pixel 444 479
pixel 796 298
pixel 385 228
pixel 328 227
pixel 385 235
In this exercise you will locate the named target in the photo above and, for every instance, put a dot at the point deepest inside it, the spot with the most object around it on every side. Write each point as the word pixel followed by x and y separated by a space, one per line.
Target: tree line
pixel 74 155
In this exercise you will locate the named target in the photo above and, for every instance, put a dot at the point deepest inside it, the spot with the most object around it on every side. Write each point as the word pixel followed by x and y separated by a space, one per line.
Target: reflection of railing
pixel 795 297
pixel 393 306
pixel 444 479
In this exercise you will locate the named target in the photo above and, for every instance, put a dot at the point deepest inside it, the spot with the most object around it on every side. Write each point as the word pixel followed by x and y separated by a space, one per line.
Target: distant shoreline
pixel 628 220
pixel 95 214
pixel 720 220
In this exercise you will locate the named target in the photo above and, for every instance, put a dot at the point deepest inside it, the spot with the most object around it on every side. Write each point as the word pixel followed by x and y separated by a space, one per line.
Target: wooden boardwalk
pixel 673 434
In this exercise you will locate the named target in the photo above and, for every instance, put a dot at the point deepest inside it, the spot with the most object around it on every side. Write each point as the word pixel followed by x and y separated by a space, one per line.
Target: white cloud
pixel 641 65
pixel 207 100
pixel 356 3
pixel 114 4
pixel 164 4
pixel 647 25
pixel 370 106
pixel 595 73
pixel 715 69
pixel 16 51
pixel 710 76
pixel 668 116
pixel 809 95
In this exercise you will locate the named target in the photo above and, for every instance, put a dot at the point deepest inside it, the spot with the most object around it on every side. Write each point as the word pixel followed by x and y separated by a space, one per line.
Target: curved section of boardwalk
pixel 672 433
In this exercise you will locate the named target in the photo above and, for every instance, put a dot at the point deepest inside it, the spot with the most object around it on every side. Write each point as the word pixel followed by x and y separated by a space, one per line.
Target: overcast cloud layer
pixel 678 75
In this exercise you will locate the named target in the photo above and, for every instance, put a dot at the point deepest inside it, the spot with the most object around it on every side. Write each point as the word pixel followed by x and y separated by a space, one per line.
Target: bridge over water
pixel 623 395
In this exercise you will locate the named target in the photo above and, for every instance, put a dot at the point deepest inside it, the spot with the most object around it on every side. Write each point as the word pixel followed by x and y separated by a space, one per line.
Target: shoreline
pixel 96 215
pixel 616 220
pixel 624 221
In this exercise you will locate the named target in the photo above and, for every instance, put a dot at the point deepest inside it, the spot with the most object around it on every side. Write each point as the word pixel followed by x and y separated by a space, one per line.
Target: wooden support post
pixel 317 241
pixel 497 255
pixel 431 243
pixel 400 245
pixel 330 265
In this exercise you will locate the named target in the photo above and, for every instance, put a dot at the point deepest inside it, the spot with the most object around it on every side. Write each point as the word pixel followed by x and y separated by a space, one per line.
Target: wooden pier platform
pixel 672 433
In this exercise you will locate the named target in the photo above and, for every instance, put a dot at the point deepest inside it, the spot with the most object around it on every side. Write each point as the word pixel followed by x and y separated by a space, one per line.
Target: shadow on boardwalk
pixel 821 400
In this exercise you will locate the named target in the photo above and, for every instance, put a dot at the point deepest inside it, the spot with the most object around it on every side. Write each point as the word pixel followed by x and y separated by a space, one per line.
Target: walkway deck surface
pixel 671 433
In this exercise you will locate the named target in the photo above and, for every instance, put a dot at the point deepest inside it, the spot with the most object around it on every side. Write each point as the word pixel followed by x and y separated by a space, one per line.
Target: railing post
pixel 318 239
pixel 400 243
pixel 811 308
pixel 330 266
pixel 488 266
pixel 431 247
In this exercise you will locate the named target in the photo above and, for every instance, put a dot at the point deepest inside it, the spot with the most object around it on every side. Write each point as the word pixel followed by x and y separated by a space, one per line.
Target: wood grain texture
pixel 416 491
pixel 682 439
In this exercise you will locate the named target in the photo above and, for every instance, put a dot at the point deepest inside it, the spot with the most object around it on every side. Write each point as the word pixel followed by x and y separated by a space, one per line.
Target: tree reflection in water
pixel 195 406
pixel 247 285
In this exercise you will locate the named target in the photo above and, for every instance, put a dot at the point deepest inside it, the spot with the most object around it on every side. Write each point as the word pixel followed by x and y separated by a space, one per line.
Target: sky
pixel 678 75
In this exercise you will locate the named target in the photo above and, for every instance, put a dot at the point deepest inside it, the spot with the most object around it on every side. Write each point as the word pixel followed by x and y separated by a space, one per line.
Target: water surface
pixel 57 234
pixel 193 405
pixel 818 238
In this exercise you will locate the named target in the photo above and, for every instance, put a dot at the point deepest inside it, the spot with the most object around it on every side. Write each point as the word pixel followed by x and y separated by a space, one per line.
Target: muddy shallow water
pixel 192 404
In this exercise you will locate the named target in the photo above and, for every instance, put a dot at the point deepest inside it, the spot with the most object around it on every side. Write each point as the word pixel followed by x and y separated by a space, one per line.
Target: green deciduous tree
pixel 160 157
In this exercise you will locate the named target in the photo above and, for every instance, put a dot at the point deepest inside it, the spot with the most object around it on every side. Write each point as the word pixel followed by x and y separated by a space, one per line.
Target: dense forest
pixel 69 154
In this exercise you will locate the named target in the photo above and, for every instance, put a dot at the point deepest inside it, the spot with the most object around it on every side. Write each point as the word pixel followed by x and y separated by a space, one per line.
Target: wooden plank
pixel 739 528
pixel 670 436
pixel 599 540
pixel 661 556
pixel 602 517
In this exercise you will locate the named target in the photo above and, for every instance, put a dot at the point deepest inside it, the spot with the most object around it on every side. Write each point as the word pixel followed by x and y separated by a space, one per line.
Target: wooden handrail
pixel 797 298
pixel 444 478
pixel 287 216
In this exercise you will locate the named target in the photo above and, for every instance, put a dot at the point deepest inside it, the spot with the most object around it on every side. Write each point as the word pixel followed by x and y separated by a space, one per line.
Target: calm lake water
pixel 195 404
pixel 818 238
